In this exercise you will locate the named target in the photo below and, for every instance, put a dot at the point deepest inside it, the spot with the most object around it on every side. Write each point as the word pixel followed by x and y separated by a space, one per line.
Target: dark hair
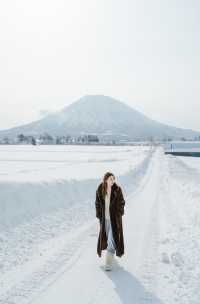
pixel 104 187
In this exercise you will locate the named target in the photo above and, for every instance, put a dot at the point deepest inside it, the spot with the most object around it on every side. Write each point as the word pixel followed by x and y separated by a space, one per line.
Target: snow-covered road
pixel 87 282
pixel 161 264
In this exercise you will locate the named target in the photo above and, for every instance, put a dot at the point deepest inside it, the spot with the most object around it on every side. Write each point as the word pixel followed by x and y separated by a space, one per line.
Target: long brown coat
pixel 117 204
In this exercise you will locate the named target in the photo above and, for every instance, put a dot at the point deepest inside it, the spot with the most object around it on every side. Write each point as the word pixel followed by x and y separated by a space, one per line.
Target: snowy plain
pixel 49 232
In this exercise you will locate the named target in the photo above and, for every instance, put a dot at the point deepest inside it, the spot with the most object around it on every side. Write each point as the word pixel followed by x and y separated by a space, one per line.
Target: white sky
pixel 142 52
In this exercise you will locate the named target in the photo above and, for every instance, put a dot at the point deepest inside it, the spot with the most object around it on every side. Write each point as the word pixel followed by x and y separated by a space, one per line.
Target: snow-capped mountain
pixel 103 116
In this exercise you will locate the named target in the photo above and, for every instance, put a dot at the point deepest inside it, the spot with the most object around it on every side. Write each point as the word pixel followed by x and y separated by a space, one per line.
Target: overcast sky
pixel 142 52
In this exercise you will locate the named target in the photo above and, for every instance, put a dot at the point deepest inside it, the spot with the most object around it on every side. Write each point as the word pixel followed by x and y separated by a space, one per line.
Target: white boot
pixel 108 261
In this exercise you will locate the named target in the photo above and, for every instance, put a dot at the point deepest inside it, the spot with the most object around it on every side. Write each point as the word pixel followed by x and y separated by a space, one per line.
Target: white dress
pixel 107 205
pixel 110 240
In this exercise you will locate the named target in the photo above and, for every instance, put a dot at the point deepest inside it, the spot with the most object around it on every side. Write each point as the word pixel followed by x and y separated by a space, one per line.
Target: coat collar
pixel 114 189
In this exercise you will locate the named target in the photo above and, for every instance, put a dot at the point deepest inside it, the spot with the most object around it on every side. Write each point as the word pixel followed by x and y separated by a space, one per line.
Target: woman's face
pixel 110 180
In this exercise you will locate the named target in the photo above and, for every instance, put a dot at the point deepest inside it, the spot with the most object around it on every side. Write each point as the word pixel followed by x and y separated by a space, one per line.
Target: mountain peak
pixel 98 98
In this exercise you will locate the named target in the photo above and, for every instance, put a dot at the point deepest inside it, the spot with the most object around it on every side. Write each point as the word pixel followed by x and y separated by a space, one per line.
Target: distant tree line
pixel 49 139
pixel 196 138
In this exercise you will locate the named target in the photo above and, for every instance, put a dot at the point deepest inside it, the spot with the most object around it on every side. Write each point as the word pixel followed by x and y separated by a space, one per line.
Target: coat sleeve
pixel 98 206
pixel 121 202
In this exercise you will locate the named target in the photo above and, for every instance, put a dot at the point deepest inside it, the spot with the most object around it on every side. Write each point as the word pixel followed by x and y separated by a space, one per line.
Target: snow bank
pixel 179 232
pixel 22 201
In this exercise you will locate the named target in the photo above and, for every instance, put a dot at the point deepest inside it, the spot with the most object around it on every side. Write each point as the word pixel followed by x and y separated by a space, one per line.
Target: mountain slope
pixel 101 115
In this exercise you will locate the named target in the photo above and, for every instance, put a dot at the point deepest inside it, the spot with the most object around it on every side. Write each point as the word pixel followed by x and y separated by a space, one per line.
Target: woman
pixel 109 210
